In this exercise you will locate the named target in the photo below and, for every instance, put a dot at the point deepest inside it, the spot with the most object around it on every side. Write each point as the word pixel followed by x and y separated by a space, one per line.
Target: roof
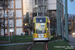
pixel 41 16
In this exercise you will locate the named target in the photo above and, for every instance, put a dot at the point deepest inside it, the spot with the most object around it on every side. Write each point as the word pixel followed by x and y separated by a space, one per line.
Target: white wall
pixel 18 13
pixel 18 3
pixel 28 6
pixel 10 13
pixel 33 4
pixel 2 32
pixel 2 13
pixel 11 23
pixel 11 4
pixel 51 5
pixel 18 31
pixel 18 22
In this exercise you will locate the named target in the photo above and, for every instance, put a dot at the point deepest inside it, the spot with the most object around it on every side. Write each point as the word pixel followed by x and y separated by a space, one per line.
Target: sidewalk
pixel 15 44
pixel 4 42
pixel 72 40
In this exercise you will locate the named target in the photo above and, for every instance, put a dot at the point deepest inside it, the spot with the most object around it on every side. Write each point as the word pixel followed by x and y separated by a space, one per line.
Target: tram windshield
pixel 40 28
pixel 40 25
pixel 40 20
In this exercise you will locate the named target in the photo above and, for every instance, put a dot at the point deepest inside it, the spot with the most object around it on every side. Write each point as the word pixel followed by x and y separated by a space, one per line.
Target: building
pixel 15 9
pixel 21 7
pixel 71 23
pixel 49 6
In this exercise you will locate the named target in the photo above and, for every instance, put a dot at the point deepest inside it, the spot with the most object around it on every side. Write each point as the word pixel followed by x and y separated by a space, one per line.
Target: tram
pixel 41 28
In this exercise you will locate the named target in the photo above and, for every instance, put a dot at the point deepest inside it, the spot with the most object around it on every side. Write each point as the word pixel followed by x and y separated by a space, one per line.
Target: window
pixel 40 31
pixel 40 28
pixel 40 20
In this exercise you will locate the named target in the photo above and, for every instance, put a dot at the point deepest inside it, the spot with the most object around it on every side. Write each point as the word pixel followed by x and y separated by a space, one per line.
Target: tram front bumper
pixel 38 39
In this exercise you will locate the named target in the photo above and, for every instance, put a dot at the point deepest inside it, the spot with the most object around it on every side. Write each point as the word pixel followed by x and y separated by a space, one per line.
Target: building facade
pixel 19 8
pixel 15 9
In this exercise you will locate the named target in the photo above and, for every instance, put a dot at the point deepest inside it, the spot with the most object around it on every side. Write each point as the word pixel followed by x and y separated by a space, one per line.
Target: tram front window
pixel 38 31
pixel 40 25
pixel 40 20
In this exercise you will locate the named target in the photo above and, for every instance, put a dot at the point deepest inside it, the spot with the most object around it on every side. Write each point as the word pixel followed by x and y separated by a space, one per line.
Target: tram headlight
pixel 73 33
pixel 36 36
pixel 45 35
pixel 49 21
pixel 47 28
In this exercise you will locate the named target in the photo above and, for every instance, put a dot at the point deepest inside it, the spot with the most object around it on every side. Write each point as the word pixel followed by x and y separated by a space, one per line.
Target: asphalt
pixel 72 40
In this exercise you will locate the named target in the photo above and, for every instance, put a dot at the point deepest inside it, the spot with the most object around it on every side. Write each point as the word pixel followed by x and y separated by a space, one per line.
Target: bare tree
pixel 26 20
pixel 0 25
pixel 4 5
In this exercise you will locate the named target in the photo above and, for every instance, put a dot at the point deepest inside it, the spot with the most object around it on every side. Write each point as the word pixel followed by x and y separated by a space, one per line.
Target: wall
pixel 15 6
pixel 51 5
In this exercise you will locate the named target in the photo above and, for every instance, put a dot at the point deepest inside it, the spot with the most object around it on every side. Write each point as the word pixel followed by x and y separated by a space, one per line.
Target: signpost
pixel 9 29
pixel 5 15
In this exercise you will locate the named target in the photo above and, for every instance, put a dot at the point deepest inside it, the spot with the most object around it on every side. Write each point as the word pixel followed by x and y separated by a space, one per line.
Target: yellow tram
pixel 41 28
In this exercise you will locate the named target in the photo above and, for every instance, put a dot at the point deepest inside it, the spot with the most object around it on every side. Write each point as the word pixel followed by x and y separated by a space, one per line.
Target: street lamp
pixel 25 24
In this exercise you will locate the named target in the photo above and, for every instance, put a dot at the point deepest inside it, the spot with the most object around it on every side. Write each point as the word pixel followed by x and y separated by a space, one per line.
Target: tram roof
pixel 41 16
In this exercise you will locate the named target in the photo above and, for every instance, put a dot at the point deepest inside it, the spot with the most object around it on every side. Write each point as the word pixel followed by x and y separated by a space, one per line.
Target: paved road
pixel 72 40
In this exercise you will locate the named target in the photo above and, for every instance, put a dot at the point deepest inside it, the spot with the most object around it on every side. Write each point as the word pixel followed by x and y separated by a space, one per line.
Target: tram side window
pixel 33 27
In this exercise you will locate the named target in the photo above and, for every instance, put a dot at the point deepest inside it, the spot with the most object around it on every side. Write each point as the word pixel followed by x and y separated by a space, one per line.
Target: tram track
pixel 34 43
pixel 46 45
pixel 29 48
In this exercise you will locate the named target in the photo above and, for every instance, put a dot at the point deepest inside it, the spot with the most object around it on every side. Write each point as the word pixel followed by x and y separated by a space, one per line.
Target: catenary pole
pixel 66 21
pixel 14 23
pixel 62 18
pixel 43 6
pixel 37 7
pixel 57 19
